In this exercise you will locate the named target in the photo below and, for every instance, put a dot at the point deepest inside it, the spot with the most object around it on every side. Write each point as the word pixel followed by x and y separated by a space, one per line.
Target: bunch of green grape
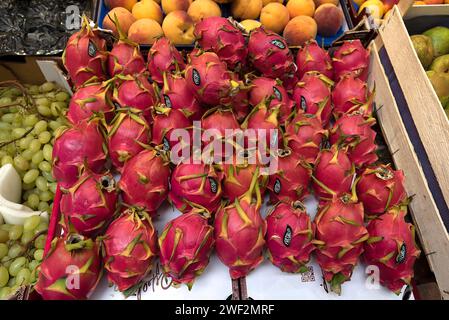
pixel 21 252
pixel 27 133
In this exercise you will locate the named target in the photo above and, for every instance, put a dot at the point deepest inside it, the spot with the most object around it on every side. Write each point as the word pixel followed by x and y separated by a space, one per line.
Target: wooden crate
pixel 425 156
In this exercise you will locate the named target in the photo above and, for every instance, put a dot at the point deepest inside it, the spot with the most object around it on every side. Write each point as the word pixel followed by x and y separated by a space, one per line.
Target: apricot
pixel 127 4
pixel 320 2
pixel 124 17
pixel 301 8
pixel 299 30
pixel 265 2
pixel 178 27
pixel 250 24
pixel 200 9
pixel 274 16
pixel 246 9
pixel 148 9
pixel 145 31
pixel 329 19
pixel 174 5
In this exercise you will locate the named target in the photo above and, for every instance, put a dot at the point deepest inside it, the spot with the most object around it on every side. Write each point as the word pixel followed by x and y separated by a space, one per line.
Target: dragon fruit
pixel 333 174
pixel 355 132
pixel 125 58
pixel 136 92
pixel 380 188
pixel 144 180
pixel 130 244
pixel 351 58
pixel 340 235
pixel 311 57
pixel 289 237
pixel 185 247
pixel 269 54
pixel 240 105
pixel 128 134
pixel 163 57
pixel 176 94
pixel 90 203
pixel 240 231
pixel 291 180
pixel 351 95
pixel 305 135
pixel 392 248
pixel 85 56
pixel 266 88
pixel 219 35
pixel 70 255
pixel 89 100
pixel 74 148
pixel 313 95
pixel 196 185
pixel 208 77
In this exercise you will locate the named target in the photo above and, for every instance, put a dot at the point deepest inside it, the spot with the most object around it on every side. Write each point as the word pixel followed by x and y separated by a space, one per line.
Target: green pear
pixel 424 49
pixel 441 64
pixel 440 40
pixel 440 82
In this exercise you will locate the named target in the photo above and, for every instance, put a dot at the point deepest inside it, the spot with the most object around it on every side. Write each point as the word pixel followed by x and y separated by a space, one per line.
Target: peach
pixel 375 8
pixel 265 2
pixel 174 5
pixel 249 24
pixel 127 4
pixel 157 1
pixel 178 27
pixel 320 2
pixel 301 8
pixel 274 16
pixel 299 30
pixel 147 9
pixel 124 17
pixel 388 4
pixel 359 2
pixel 246 9
pixel 145 31
pixel 200 9
pixel 329 19
pixel 223 1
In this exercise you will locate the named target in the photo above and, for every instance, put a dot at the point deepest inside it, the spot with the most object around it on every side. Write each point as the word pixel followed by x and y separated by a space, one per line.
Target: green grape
pixel 43 110
pixel 16 232
pixel 56 108
pixel 45 166
pixel 6 160
pixel 37 158
pixel 5 100
pixel 6 227
pixel 15 250
pixel 43 226
pixel 39 254
pixel 4 236
pixel 3 250
pixel 26 237
pixel 45 196
pixel 12 283
pixel 5 135
pixel 34 263
pixel 21 163
pixel 23 276
pixel 8 117
pixel 62 96
pixel 30 120
pixel 16 265
pixel 35 145
pixel 42 102
pixel 31 223
pixel 54 125
pixel 18 132
pixel 52 187
pixel 48 150
pixel 43 206
pixel 5 126
pixel 11 149
pixel 31 176
pixel 4 276
pixel 44 137
pixel 33 166
pixel 48 176
pixel 27 154
pixel 24 143
pixel 40 126
pixel 41 183
pixel 5 292
pixel 47 87
pixel 3 153
pixel 33 200
pixel 39 243
pixel 6 261
pixel 28 187
pixel 33 89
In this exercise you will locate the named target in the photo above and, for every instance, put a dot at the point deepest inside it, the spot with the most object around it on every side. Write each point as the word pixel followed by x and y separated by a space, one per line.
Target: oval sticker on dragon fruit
pixel 167 101
pixel 402 254
pixel 287 236
pixel 277 93
pixel 278 43
pixel 91 49
pixel 196 77
pixel 303 103
pixel 277 186
pixel 166 144
pixel 116 105
pixel 213 185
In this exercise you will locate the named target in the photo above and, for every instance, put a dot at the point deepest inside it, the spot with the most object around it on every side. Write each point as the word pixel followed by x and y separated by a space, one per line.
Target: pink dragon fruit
pixel 311 57
pixel 208 77
pixel 355 132
pixel 240 231
pixel 144 180
pixel 76 147
pixel 266 88
pixel 269 54
pixel 89 100
pixel 130 245
pixel 351 95
pixel 291 180
pixel 392 248
pixel 289 82
pixel 90 203
pixel 219 35
pixel 85 56
pixel 136 92
pixel 163 57
pixel 313 95
pixel 240 105
pixel 196 185
pixel 69 253
pixel 340 235
pixel 185 247
pixel 351 58
pixel 380 188
pixel 305 135
pixel 289 237
pixel 125 58
pixel 333 174
pixel 128 134
pixel 176 94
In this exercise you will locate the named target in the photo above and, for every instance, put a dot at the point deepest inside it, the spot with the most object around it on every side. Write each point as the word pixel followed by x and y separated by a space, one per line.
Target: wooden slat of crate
pixel 432 126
